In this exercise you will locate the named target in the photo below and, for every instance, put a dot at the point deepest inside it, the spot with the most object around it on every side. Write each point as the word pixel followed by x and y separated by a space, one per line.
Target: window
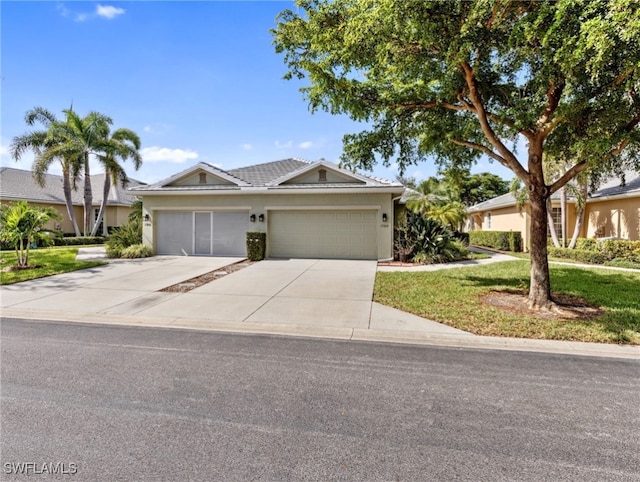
pixel 472 224
pixel 203 178
pixel 488 220
pixel 101 226
pixel 556 214
pixel 322 175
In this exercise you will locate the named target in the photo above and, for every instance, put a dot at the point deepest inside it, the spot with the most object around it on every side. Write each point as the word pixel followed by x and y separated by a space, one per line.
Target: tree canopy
pixel 456 80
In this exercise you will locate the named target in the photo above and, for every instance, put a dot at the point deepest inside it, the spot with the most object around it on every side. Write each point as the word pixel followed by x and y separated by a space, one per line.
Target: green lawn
pixel 50 261
pixel 454 297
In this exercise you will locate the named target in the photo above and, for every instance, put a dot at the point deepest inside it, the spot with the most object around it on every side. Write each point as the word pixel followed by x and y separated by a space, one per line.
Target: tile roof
pixel 18 184
pixel 267 176
pixel 261 174
pixel 613 187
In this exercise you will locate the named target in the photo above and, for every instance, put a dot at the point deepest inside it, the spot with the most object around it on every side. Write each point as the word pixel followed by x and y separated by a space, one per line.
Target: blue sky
pixel 198 81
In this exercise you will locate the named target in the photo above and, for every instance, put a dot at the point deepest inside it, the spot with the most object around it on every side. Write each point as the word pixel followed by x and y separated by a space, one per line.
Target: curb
pixel 336 333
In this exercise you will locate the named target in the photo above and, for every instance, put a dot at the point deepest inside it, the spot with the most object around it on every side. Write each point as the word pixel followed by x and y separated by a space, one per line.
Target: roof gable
pixel 201 174
pixel 322 172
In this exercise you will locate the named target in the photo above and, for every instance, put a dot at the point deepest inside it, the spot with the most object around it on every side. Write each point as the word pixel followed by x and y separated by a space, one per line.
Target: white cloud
pixel 147 128
pixel 164 154
pixel 108 11
pixel 247 147
pixel 105 11
pixel 305 145
pixel 286 145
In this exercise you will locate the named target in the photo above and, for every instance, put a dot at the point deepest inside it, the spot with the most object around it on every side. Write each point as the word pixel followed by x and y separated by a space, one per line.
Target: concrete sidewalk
pixel 314 298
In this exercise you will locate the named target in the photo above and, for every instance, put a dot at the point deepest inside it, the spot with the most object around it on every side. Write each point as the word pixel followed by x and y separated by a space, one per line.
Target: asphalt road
pixel 122 403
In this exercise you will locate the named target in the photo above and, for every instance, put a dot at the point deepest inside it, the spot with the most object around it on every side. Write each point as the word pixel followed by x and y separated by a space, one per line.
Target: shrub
pixel 256 245
pixel 587 244
pixel 502 240
pixel 127 235
pixel 618 248
pixel 580 255
pixel 462 237
pixel 136 251
pixel 78 240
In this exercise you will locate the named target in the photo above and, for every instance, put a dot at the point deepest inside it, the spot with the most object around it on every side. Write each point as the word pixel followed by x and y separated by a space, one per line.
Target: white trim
pixel 214 171
pixel 245 192
pixel 615 197
pixel 328 165
pixel 323 208
pixel 200 208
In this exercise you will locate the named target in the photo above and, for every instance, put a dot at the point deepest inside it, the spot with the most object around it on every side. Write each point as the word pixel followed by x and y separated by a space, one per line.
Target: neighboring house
pixel 19 185
pixel 612 211
pixel 308 210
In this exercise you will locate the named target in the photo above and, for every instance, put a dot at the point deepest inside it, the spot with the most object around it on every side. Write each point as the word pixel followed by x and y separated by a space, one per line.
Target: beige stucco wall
pixel 115 216
pixel 264 203
pixel 617 217
pixel 503 219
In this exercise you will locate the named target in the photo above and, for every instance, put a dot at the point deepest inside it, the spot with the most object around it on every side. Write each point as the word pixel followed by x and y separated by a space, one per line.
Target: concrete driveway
pixel 307 293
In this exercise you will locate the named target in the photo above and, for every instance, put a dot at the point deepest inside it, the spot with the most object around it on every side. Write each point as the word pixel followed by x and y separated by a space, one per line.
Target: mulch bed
pixel 567 307
pixel 203 279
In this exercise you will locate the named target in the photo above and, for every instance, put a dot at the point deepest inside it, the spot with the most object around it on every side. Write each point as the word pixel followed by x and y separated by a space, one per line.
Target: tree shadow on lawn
pixel 616 293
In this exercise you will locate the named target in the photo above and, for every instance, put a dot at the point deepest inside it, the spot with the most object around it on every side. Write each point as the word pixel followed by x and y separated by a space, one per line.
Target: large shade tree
pixel 456 80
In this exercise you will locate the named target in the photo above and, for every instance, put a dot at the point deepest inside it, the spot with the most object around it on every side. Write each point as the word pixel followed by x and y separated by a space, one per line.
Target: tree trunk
pixel 563 214
pixel 580 215
pixel 551 225
pixel 540 288
pixel 88 196
pixel 103 205
pixel 66 188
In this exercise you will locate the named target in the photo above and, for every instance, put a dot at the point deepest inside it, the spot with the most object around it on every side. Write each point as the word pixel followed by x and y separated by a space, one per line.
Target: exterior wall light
pixel 261 218
pixel 252 218
pixel 147 217
pixel 384 217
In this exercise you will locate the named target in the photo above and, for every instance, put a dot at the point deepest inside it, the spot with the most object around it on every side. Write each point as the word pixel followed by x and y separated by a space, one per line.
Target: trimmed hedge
pixel 256 245
pixel 580 255
pixel 78 241
pixel 502 240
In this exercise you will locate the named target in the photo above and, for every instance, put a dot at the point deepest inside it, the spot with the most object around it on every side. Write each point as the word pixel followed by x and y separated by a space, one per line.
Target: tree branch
pixel 510 160
pixel 553 100
pixel 567 176
pixel 518 170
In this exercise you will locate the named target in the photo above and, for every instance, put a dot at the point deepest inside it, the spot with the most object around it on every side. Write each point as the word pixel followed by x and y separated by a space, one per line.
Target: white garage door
pixel 201 233
pixel 323 234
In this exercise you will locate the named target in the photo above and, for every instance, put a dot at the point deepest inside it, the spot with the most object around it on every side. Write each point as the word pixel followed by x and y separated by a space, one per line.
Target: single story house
pixel 613 211
pixel 19 185
pixel 307 210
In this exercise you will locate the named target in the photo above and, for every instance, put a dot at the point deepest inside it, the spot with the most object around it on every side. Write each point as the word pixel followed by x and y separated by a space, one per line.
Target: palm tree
pixel 45 141
pixel 123 144
pixel 426 195
pixel 438 199
pixel 451 213
pixel 82 137
pixel 22 225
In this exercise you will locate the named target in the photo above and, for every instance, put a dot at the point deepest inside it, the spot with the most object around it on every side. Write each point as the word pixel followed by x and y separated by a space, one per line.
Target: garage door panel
pixel 214 233
pixel 174 232
pixel 323 234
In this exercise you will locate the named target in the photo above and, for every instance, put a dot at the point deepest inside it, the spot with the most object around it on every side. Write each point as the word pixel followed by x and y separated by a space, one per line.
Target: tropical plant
pixel 122 144
pixel 136 251
pixel 40 141
pixel 430 241
pixel 454 80
pixel 22 225
pixel 126 235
